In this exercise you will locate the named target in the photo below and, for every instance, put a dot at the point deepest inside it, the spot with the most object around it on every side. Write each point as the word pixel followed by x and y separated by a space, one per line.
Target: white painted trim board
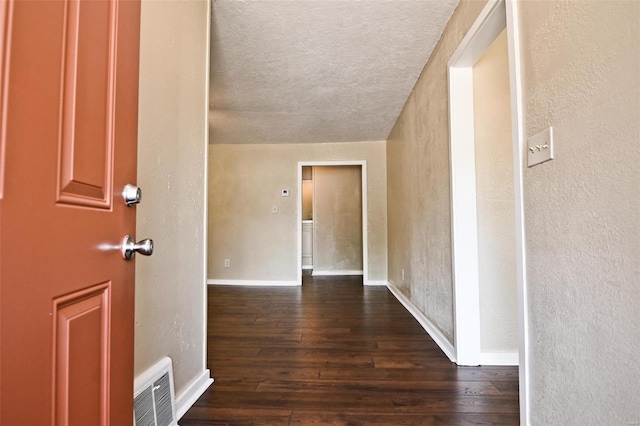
pixel 433 331
pixel 499 358
pixel 495 16
pixel 205 221
pixel 258 283
pixel 299 225
pixel 334 272
pixel 375 282
pixel 518 129
pixel 464 229
pixel 192 392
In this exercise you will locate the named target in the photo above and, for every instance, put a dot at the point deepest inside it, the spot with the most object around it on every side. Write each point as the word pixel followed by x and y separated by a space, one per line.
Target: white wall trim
pixel 365 210
pixel 496 15
pixel 433 331
pixel 487 26
pixel 333 163
pixel 299 225
pixel 376 282
pixel 499 358
pixel 205 224
pixel 464 228
pixel 332 272
pixel 365 224
pixel 263 283
pixel 192 392
pixel 518 129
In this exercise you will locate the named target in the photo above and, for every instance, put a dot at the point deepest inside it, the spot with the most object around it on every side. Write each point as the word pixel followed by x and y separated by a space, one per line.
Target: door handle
pixel 130 247
pixel 131 194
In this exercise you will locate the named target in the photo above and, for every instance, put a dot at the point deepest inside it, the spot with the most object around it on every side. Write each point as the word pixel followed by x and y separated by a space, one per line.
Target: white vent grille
pixel 163 402
pixel 154 400
pixel 144 414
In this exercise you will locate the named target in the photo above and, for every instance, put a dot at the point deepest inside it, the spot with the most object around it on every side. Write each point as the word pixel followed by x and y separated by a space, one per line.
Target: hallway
pixel 334 352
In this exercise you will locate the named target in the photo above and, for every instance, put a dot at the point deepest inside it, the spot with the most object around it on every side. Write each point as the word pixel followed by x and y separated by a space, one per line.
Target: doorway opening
pixel 332 219
pixel 475 223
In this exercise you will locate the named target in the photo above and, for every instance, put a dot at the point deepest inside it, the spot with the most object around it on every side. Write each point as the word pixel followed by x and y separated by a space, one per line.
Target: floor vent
pixel 153 396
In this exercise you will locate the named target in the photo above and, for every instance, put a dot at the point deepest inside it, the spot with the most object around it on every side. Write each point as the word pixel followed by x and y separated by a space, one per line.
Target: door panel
pixel 67 296
pixel 87 103
pixel 81 351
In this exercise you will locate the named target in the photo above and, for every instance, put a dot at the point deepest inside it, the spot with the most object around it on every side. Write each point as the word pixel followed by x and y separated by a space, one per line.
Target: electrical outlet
pixel 227 263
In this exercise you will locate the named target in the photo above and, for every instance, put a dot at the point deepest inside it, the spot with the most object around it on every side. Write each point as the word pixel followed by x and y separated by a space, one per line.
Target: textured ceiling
pixel 294 71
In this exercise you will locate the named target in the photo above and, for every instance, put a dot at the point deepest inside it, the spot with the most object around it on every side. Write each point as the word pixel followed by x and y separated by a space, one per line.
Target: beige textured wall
pixel 337 242
pixel 581 70
pixel 418 183
pixel 495 205
pixel 245 183
pixel 170 285
pixel 581 74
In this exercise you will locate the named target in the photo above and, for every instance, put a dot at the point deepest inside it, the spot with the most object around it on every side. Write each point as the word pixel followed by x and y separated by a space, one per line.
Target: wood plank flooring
pixel 336 353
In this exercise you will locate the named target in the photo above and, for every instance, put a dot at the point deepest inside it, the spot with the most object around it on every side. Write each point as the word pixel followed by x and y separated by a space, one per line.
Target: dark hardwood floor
pixel 336 353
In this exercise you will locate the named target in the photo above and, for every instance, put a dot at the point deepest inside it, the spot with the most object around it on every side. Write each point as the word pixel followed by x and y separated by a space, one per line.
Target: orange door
pixel 69 101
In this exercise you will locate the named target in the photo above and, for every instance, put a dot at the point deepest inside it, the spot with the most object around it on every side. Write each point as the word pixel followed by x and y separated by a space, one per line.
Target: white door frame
pixel 365 245
pixel 493 19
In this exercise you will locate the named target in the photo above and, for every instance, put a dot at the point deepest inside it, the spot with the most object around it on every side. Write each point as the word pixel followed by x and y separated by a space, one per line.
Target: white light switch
pixel 285 192
pixel 540 147
pixel 274 209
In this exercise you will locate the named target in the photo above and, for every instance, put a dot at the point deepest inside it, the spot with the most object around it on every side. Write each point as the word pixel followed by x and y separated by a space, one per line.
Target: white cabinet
pixel 307 244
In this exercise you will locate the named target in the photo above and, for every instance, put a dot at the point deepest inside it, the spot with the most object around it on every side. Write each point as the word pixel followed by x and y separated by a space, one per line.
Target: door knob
pixel 130 247
pixel 131 194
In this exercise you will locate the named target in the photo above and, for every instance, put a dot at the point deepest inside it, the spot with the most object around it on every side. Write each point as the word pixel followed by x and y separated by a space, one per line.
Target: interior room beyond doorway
pixel 332 220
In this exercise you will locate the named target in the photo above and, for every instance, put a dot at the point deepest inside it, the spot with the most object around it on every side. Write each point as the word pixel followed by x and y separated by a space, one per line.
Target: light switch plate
pixel 540 147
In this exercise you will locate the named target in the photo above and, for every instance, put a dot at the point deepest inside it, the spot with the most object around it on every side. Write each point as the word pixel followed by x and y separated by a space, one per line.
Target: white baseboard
pixel 264 283
pixel 499 358
pixel 376 282
pixel 190 395
pixel 307 266
pixel 319 272
pixel 429 327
